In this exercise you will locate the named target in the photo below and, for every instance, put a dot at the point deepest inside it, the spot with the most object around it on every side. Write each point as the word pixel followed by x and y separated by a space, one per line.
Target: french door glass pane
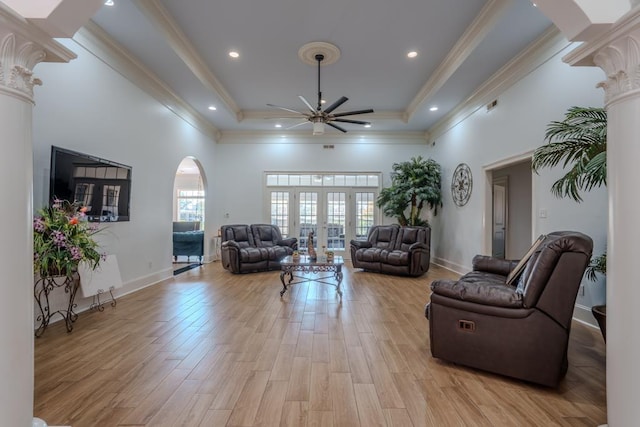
pixel 365 208
pixel 336 220
pixel 280 211
pixel 308 219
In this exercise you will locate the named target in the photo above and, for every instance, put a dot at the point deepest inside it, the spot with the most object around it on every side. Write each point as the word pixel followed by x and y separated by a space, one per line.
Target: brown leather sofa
pixel 256 247
pixel 392 249
pixel 519 331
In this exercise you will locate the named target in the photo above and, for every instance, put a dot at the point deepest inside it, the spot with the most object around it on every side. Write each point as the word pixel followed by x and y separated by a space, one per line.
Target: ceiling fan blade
pixel 357 122
pixel 336 104
pixel 297 124
pixel 306 103
pixel 285 109
pixel 337 127
pixel 351 113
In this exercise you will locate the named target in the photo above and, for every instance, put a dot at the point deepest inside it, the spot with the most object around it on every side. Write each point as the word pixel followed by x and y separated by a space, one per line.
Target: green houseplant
pixel 579 143
pixel 415 184
pixel 62 239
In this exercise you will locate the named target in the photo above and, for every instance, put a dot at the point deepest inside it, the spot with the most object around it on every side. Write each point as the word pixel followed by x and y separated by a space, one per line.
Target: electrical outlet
pixel 150 265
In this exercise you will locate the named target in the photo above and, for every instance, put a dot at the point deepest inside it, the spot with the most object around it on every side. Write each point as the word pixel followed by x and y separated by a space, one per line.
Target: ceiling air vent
pixel 492 105
pixel 328 147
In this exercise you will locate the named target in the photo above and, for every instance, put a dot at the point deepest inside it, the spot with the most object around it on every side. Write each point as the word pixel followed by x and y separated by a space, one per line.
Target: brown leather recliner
pixel 519 331
pixel 392 249
pixel 256 247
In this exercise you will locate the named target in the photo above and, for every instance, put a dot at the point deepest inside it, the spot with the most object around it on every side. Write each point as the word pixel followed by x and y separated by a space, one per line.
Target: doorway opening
pixel 188 216
pixel 509 207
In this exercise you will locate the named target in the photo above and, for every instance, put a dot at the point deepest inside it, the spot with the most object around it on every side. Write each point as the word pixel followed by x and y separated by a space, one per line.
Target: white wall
pixel 241 162
pixel 517 125
pixel 88 107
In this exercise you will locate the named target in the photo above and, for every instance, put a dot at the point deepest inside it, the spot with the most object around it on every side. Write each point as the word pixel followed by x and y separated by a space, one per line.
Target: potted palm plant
pixel 415 185
pixel 579 143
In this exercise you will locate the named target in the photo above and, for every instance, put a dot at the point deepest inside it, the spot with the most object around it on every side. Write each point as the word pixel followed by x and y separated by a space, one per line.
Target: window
pixel 191 205
pixel 280 211
pixel 365 210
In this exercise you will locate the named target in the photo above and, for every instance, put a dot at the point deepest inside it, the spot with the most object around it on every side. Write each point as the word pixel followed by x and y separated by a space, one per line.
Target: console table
pixel 304 264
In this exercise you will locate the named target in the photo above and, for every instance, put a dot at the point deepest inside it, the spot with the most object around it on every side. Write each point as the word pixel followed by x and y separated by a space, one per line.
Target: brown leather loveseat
pixel 393 249
pixel 256 247
pixel 521 331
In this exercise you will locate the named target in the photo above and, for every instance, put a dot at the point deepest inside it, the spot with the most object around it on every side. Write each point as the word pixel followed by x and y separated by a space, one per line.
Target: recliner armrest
pixel 230 244
pixel 292 242
pixel 493 265
pixel 472 288
pixel 360 244
pixel 418 245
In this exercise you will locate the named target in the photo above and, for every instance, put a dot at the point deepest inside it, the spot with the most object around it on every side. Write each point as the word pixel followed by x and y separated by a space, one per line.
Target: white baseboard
pixel 583 315
pixel 451 266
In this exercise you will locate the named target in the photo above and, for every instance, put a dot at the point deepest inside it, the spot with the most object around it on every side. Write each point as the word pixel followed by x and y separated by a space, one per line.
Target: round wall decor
pixel 461 184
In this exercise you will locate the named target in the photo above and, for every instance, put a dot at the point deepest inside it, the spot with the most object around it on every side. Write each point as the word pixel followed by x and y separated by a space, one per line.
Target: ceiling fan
pixel 318 117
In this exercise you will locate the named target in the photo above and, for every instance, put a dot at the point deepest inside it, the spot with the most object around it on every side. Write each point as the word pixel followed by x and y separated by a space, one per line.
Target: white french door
pixel 337 207
pixel 335 215
pixel 324 212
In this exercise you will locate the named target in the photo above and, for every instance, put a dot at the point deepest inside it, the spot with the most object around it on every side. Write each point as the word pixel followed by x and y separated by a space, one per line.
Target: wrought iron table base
pixel 99 305
pixel 43 287
pixel 287 275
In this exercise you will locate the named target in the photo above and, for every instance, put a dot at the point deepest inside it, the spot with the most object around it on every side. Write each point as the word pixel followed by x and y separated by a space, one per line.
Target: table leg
pixel 283 275
pixel 339 280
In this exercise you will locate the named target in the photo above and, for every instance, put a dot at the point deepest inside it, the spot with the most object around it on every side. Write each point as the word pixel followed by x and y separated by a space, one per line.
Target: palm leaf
pixel 579 143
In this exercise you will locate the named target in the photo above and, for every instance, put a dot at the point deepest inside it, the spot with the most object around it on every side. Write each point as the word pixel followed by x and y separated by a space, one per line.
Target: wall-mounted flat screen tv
pixel 103 186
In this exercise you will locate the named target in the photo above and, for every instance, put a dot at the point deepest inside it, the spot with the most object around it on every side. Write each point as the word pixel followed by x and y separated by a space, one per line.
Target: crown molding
pixel 278 114
pixel 550 44
pixel 305 137
pixel 584 54
pixel 473 35
pixel 54 51
pixel 97 42
pixel 162 20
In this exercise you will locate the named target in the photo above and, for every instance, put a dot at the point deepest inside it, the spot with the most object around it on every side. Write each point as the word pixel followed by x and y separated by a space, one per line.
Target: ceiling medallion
pixel 330 52
pixel 461 184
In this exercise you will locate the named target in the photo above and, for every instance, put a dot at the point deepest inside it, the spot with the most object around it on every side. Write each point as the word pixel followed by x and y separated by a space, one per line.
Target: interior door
pixel 498 247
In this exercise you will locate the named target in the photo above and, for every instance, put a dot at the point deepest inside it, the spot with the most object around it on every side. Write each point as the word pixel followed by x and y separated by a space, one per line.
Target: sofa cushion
pixel 384 236
pixel 369 255
pixel 407 236
pixel 253 254
pixel 265 235
pixel 395 257
pixel 481 288
pixel 241 234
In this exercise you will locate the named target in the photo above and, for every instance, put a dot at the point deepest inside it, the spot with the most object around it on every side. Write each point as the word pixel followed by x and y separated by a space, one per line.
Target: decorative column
pixel 617 52
pixel 22 46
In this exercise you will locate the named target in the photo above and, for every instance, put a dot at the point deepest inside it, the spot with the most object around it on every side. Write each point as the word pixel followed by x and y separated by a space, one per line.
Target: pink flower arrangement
pixel 62 239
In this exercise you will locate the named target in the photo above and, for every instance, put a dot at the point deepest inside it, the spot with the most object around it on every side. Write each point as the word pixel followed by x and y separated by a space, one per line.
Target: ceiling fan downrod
pixel 319 57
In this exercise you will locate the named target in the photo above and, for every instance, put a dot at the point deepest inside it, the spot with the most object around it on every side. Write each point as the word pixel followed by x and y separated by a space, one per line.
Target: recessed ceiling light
pixel 434 108
pixel 368 125
pixel 234 54
pixel 212 108
pixel 278 125
pixel 109 3
pixel 412 54
pixel 534 5
pixel 323 101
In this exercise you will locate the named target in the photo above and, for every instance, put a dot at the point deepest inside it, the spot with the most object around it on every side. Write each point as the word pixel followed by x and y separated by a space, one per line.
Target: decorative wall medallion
pixel 461 184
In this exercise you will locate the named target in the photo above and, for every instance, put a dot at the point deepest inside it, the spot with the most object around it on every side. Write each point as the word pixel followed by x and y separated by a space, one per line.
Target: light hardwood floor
pixel 210 348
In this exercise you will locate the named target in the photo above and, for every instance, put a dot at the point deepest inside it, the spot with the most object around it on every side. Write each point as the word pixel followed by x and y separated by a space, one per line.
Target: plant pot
pixel 600 313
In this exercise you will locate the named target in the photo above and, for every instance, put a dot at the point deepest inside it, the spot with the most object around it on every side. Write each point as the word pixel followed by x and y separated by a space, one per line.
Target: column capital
pixel 22 47
pixel 617 53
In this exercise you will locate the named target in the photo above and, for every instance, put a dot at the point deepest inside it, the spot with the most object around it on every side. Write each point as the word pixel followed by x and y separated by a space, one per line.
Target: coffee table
pixel 304 264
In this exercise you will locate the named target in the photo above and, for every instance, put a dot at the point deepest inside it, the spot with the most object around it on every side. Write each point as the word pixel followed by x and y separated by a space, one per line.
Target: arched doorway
pixel 188 216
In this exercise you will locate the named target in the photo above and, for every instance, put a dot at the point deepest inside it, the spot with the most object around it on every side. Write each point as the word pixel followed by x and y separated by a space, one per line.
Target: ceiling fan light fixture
pixel 318 128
